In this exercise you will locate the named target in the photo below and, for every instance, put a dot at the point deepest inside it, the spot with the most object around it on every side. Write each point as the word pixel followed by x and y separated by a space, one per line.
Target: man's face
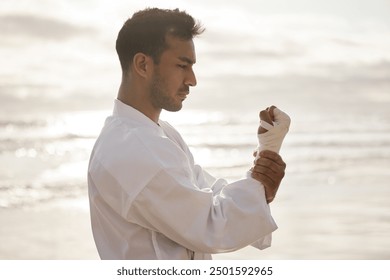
pixel 173 75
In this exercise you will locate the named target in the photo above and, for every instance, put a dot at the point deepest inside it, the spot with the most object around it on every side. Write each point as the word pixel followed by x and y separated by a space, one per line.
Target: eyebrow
pixel 187 60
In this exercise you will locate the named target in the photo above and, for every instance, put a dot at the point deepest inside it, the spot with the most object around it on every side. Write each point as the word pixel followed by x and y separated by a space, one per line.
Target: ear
pixel 142 64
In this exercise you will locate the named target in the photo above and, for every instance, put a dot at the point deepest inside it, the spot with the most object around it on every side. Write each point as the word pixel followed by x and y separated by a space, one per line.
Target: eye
pixel 182 66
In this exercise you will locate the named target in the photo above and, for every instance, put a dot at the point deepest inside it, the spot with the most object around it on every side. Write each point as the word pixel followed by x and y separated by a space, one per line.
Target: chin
pixel 174 108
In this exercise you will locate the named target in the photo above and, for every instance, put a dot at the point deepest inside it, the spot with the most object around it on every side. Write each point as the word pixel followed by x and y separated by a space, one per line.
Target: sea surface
pixel 332 144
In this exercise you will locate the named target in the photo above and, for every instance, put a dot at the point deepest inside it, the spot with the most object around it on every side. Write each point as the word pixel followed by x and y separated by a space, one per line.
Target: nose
pixel 191 78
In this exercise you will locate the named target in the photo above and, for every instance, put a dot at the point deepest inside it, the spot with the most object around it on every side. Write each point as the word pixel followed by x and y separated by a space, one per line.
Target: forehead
pixel 179 48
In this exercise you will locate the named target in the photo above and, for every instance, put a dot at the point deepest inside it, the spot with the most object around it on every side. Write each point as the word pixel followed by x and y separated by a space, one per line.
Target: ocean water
pixel 326 66
pixel 45 156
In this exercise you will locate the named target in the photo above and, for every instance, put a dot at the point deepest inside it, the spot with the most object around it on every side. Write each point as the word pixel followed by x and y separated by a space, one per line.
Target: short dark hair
pixel 146 30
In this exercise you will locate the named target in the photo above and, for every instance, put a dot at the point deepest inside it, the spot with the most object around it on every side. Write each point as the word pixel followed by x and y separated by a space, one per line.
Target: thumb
pixel 265 122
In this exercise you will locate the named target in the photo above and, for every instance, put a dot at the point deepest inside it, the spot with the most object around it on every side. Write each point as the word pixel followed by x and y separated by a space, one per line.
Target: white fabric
pixel 272 139
pixel 266 125
pixel 149 200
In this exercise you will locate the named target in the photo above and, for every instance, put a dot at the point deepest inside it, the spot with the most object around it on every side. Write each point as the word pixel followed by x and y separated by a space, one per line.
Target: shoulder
pixel 123 144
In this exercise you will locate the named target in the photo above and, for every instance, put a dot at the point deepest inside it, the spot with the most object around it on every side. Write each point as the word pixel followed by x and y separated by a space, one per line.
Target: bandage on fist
pixel 274 125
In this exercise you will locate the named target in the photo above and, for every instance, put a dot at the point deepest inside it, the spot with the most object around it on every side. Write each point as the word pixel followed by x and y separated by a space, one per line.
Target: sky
pixel 55 49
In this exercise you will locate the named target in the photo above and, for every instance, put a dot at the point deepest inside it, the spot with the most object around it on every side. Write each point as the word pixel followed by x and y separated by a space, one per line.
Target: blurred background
pixel 326 63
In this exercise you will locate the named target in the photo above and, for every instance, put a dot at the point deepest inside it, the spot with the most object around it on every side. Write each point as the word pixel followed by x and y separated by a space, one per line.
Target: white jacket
pixel 149 200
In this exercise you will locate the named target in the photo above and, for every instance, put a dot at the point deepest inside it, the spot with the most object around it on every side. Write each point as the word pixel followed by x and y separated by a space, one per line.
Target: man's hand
pixel 274 125
pixel 269 169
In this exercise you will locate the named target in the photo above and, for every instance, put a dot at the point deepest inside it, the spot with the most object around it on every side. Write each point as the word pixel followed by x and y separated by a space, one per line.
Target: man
pixel 148 198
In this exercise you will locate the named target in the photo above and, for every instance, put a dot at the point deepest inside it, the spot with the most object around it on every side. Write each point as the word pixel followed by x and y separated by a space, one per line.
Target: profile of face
pixel 173 75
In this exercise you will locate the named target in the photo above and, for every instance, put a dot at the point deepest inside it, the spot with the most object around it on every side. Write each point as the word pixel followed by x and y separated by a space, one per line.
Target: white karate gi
pixel 149 200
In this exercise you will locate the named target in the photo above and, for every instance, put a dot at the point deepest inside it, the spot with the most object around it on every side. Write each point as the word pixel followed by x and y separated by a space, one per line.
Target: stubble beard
pixel 160 97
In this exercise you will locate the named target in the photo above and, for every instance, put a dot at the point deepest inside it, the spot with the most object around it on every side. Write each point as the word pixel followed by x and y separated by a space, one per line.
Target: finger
pixel 275 176
pixel 271 112
pixel 276 173
pixel 265 180
pixel 268 180
pixel 272 156
pixel 266 169
pixel 271 164
pixel 264 117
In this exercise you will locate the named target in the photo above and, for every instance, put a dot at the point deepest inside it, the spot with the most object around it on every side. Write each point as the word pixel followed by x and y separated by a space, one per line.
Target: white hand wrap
pixel 273 138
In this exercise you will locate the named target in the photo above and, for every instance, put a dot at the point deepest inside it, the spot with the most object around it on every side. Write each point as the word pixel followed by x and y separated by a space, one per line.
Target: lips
pixel 183 96
pixel 184 90
pixel 183 93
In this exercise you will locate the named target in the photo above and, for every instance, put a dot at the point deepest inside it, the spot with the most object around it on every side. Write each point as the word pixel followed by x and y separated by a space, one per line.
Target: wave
pixel 18 124
pixel 28 195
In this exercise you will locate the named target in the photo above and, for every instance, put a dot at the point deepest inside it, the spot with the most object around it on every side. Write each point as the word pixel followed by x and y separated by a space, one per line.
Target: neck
pixel 135 97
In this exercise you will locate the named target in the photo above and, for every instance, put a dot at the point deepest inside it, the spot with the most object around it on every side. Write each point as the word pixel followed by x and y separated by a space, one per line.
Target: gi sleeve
pixel 199 220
